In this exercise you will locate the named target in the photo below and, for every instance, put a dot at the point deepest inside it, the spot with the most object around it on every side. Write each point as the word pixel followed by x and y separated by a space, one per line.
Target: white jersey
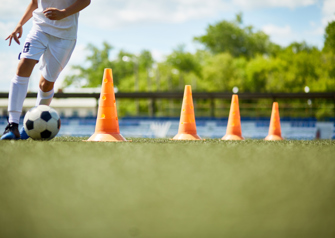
pixel 65 28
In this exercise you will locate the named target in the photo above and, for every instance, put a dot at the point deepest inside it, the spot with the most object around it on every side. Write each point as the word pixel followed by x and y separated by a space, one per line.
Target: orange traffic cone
pixel 274 130
pixel 107 125
pixel 234 131
pixel 187 128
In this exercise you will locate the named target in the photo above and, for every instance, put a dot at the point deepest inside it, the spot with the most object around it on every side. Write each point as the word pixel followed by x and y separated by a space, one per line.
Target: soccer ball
pixel 41 123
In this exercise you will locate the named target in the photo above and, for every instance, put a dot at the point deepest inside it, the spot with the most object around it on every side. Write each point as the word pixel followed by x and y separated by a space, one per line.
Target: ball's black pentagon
pixel 46 116
pixel 45 134
pixel 58 124
pixel 29 124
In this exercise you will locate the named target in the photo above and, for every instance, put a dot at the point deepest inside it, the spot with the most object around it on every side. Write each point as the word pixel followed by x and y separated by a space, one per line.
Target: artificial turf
pixel 160 188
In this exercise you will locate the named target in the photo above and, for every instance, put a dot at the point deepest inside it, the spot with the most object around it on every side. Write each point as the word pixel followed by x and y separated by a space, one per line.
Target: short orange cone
pixel 234 131
pixel 187 127
pixel 274 130
pixel 107 125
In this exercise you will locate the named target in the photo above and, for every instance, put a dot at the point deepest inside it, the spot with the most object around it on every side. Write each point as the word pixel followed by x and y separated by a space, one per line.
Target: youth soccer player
pixel 51 40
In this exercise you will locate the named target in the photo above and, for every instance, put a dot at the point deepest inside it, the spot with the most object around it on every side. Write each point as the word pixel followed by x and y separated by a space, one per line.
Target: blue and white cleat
pixel 11 132
pixel 23 134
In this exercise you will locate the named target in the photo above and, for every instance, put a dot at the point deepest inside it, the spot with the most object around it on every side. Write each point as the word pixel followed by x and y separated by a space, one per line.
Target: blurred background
pixel 225 46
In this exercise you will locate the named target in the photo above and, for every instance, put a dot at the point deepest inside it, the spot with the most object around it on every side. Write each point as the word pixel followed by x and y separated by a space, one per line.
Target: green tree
pixel 305 67
pixel 218 73
pixel 330 37
pixel 91 76
pixel 294 68
pixel 125 66
pixel 184 61
pixel 138 68
pixel 232 37
pixel 145 60
pixel 329 49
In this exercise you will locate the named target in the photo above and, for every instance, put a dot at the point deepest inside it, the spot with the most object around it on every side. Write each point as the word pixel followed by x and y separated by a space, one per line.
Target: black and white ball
pixel 42 123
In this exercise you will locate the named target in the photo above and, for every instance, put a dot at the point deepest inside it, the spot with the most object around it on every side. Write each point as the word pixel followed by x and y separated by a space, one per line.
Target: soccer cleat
pixel 11 132
pixel 23 134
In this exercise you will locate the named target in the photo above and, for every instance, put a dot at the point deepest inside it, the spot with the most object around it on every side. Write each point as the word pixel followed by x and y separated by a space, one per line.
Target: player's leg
pixel 18 88
pixel 45 92
pixel 17 94
pixel 32 51
pixel 53 62
pixel 44 97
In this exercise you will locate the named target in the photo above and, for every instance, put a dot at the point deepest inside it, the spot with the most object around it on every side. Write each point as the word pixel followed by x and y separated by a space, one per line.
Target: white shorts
pixel 55 52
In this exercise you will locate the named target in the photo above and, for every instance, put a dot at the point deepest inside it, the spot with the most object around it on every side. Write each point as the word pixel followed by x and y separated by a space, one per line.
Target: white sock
pixel 17 94
pixel 44 98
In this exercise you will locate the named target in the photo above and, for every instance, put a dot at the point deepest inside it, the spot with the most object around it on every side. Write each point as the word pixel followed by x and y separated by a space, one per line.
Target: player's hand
pixel 16 35
pixel 54 13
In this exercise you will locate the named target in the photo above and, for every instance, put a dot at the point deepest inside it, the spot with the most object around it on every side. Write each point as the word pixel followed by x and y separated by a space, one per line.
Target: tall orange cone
pixel 234 131
pixel 187 127
pixel 274 130
pixel 107 125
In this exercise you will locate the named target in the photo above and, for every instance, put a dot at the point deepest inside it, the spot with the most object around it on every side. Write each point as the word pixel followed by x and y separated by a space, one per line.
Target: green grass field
pixel 161 188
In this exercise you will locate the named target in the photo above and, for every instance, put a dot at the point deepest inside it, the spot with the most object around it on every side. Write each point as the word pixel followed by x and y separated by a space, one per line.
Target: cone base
pixel 273 137
pixel 232 137
pixel 184 136
pixel 107 137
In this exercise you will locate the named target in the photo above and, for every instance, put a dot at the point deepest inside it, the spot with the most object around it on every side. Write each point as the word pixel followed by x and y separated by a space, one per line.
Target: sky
pixel 161 25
